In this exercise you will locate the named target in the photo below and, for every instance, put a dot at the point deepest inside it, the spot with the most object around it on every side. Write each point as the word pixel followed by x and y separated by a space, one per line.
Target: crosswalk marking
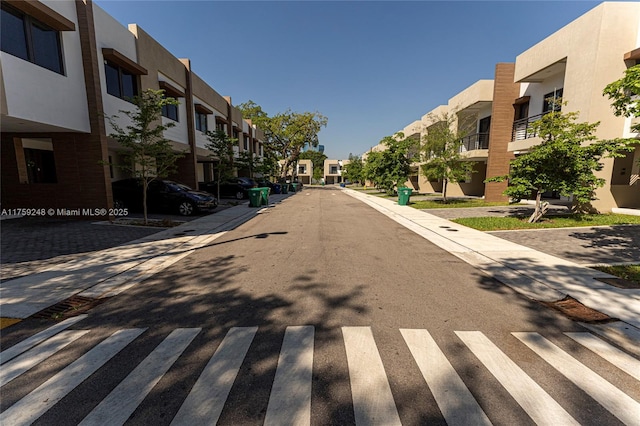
pixel 290 400
pixel 36 339
pixel 209 394
pixel 373 402
pixel 615 356
pixel 532 398
pixel 33 357
pixel 116 408
pixel 36 403
pixel 455 401
pixel 614 400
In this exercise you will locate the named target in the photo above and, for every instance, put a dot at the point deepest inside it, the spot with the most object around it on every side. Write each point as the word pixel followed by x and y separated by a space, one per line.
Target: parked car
pixel 162 196
pixel 231 188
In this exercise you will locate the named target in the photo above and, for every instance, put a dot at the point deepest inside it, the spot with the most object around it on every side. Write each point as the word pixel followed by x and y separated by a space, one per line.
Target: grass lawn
pixel 452 204
pixel 568 221
pixel 626 272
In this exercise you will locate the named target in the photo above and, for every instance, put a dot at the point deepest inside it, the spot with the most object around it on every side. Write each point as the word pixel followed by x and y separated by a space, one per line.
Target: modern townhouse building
pixel 305 171
pixel 333 171
pixel 65 67
pixel 575 64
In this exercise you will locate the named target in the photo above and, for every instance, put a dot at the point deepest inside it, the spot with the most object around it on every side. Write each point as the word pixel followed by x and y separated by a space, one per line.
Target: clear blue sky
pixel 371 67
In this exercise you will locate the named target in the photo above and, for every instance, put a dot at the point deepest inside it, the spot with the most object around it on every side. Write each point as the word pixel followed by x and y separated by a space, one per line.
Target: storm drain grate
pixel 75 305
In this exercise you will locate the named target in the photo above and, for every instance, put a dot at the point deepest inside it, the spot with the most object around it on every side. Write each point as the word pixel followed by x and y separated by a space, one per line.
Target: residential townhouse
pixel 65 67
pixel 575 64
pixel 333 171
pixel 303 170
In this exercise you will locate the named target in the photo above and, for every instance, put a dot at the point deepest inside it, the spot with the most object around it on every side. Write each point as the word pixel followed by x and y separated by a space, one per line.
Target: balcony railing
pixel 522 128
pixel 475 141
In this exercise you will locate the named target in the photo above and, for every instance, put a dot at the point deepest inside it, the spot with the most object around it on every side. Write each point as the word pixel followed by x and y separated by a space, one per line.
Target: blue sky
pixel 371 67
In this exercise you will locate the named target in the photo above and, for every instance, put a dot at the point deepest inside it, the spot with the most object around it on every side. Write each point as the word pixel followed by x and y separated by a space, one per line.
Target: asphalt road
pixel 317 301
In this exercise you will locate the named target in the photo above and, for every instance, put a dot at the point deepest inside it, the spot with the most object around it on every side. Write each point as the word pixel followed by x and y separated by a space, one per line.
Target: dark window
pixel 41 166
pixel 246 143
pixel 170 111
pixel 14 36
pixel 120 82
pixel 551 101
pixel 219 125
pixel 522 111
pixel 201 122
pixel 26 38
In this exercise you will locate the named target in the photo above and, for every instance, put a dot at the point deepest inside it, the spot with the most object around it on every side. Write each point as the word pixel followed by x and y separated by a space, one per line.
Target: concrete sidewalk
pixel 537 275
pixel 108 272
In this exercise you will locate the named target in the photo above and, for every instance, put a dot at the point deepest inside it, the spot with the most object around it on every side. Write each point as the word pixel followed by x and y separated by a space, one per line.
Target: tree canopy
pixel 390 168
pixel 565 161
pixel 625 94
pixel 286 133
pixel 353 169
pixel 148 154
pixel 441 151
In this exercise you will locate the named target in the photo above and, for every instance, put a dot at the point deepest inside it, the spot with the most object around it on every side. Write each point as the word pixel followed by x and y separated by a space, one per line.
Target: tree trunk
pixel 444 190
pixel 145 186
pixel 540 210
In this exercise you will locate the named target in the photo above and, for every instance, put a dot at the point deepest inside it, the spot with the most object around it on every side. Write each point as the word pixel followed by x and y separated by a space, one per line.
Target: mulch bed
pixel 620 283
pixel 576 311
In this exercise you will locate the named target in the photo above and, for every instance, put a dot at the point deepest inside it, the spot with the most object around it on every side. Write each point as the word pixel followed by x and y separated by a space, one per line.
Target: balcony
pixel 522 128
pixel 475 142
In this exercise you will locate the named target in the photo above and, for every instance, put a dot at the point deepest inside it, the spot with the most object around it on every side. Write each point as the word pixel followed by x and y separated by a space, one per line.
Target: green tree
pixel 353 169
pixel 625 93
pixel 250 162
pixel 317 159
pixel 286 133
pixel 221 147
pixel 441 151
pixel 391 168
pixel 565 161
pixel 147 153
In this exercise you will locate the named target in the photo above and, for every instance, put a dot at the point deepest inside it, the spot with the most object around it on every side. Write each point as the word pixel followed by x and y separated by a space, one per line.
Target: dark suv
pixel 234 188
pixel 162 196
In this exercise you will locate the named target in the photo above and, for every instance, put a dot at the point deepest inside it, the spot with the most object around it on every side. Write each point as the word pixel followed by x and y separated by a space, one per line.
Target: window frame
pixel 121 71
pixel 28 22
pixel 201 118
pixel 171 112
pixel 546 105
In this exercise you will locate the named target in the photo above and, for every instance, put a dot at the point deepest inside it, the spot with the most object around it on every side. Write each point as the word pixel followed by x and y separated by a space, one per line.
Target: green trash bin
pixel 284 188
pixel 264 196
pixel 403 196
pixel 294 187
pixel 255 197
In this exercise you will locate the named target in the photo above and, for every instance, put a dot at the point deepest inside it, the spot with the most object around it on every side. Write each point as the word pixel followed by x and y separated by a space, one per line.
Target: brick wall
pixel 505 92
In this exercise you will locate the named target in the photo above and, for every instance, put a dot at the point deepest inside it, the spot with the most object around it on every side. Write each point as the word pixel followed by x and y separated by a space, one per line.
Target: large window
pixel 171 112
pixel 120 82
pixel 552 101
pixel 201 121
pixel 31 40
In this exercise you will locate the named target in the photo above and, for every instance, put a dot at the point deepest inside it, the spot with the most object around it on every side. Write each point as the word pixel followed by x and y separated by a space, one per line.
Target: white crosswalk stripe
pixel 116 408
pixel 36 403
pixel 290 400
pixel 36 339
pixel 35 356
pixel 615 356
pixel 373 402
pixel 455 401
pixel 207 397
pixel 291 396
pixel 613 399
pixel 532 398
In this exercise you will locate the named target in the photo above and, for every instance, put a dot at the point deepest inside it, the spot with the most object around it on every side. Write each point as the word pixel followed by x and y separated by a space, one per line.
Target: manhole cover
pixel 578 312
pixel 75 305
